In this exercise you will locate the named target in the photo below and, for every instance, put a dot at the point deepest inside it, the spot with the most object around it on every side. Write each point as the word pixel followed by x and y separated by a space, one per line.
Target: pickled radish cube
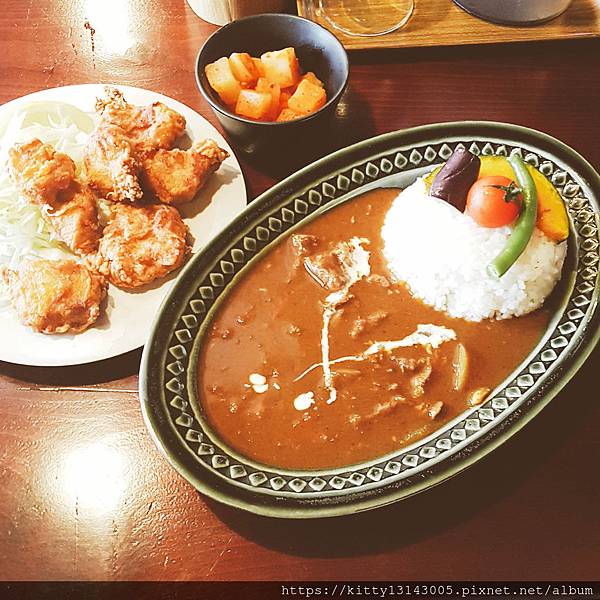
pixel 307 98
pixel 268 87
pixel 253 104
pixel 290 90
pixel 221 80
pixel 284 98
pixel 281 66
pixel 260 67
pixel 243 67
pixel 287 114
pixel 310 76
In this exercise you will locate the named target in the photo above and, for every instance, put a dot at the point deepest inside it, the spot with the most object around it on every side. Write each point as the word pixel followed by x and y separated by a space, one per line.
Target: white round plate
pixel 125 323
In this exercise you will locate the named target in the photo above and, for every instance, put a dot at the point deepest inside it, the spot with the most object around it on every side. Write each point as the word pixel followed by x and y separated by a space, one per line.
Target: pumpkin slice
pixel 552 217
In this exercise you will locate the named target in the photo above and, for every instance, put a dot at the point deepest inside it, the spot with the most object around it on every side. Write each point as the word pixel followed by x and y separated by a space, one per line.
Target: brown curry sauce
pixel 270 325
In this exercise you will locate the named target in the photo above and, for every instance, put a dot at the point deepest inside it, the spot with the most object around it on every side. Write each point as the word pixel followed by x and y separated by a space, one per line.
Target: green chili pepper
pixel 523 230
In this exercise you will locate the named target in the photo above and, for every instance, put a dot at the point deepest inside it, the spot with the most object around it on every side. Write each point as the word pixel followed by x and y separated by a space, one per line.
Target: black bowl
pixel 317 49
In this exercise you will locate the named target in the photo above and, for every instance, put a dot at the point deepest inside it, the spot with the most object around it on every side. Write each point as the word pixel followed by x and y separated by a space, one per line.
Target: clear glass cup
pixel 366 17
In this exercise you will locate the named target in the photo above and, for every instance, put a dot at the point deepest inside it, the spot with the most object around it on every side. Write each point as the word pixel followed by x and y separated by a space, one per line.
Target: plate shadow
pixel 103 371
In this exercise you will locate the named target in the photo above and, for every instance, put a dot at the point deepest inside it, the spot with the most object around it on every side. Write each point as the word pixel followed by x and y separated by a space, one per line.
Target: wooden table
pixel 528 511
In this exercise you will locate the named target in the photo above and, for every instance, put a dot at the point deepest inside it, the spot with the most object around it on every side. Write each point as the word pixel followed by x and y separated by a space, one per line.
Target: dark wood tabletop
pixel 84 493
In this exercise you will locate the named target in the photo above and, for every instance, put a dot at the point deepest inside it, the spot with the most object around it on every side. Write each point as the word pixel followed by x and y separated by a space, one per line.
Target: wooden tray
pixel 442 23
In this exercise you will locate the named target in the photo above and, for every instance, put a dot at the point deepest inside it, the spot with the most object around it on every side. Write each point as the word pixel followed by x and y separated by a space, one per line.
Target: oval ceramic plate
pixel 168 387
pixel 124 326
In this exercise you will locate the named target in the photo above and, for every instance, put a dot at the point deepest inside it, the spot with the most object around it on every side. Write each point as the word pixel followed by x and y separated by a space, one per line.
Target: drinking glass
pixel 366 17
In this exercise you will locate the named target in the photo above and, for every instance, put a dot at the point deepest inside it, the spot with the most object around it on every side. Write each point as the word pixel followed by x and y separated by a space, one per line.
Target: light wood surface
pixel 443 23
pixel 85 494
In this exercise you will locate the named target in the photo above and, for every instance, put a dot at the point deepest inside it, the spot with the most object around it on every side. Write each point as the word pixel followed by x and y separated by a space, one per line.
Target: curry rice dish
pixel 320 357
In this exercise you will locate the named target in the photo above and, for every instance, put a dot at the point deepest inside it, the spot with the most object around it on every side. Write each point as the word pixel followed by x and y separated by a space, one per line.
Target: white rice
pixel 443 255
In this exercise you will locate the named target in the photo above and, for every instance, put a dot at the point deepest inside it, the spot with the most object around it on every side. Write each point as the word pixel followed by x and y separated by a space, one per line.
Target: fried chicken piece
pixel 47 178
pixel 141 244
pixel 39 172
pixel 74 218
pixel 148 127
pixel 111 164
pixel 54 296
pixel 176 176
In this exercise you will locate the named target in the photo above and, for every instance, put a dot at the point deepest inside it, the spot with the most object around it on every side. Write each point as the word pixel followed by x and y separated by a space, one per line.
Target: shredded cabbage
pixel 23 231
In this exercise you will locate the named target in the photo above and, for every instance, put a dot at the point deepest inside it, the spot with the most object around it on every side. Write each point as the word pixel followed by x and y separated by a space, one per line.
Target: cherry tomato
pixel 494 201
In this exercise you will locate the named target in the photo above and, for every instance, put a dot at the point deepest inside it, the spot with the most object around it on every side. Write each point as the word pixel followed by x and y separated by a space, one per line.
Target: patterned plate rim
pixel 214 469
